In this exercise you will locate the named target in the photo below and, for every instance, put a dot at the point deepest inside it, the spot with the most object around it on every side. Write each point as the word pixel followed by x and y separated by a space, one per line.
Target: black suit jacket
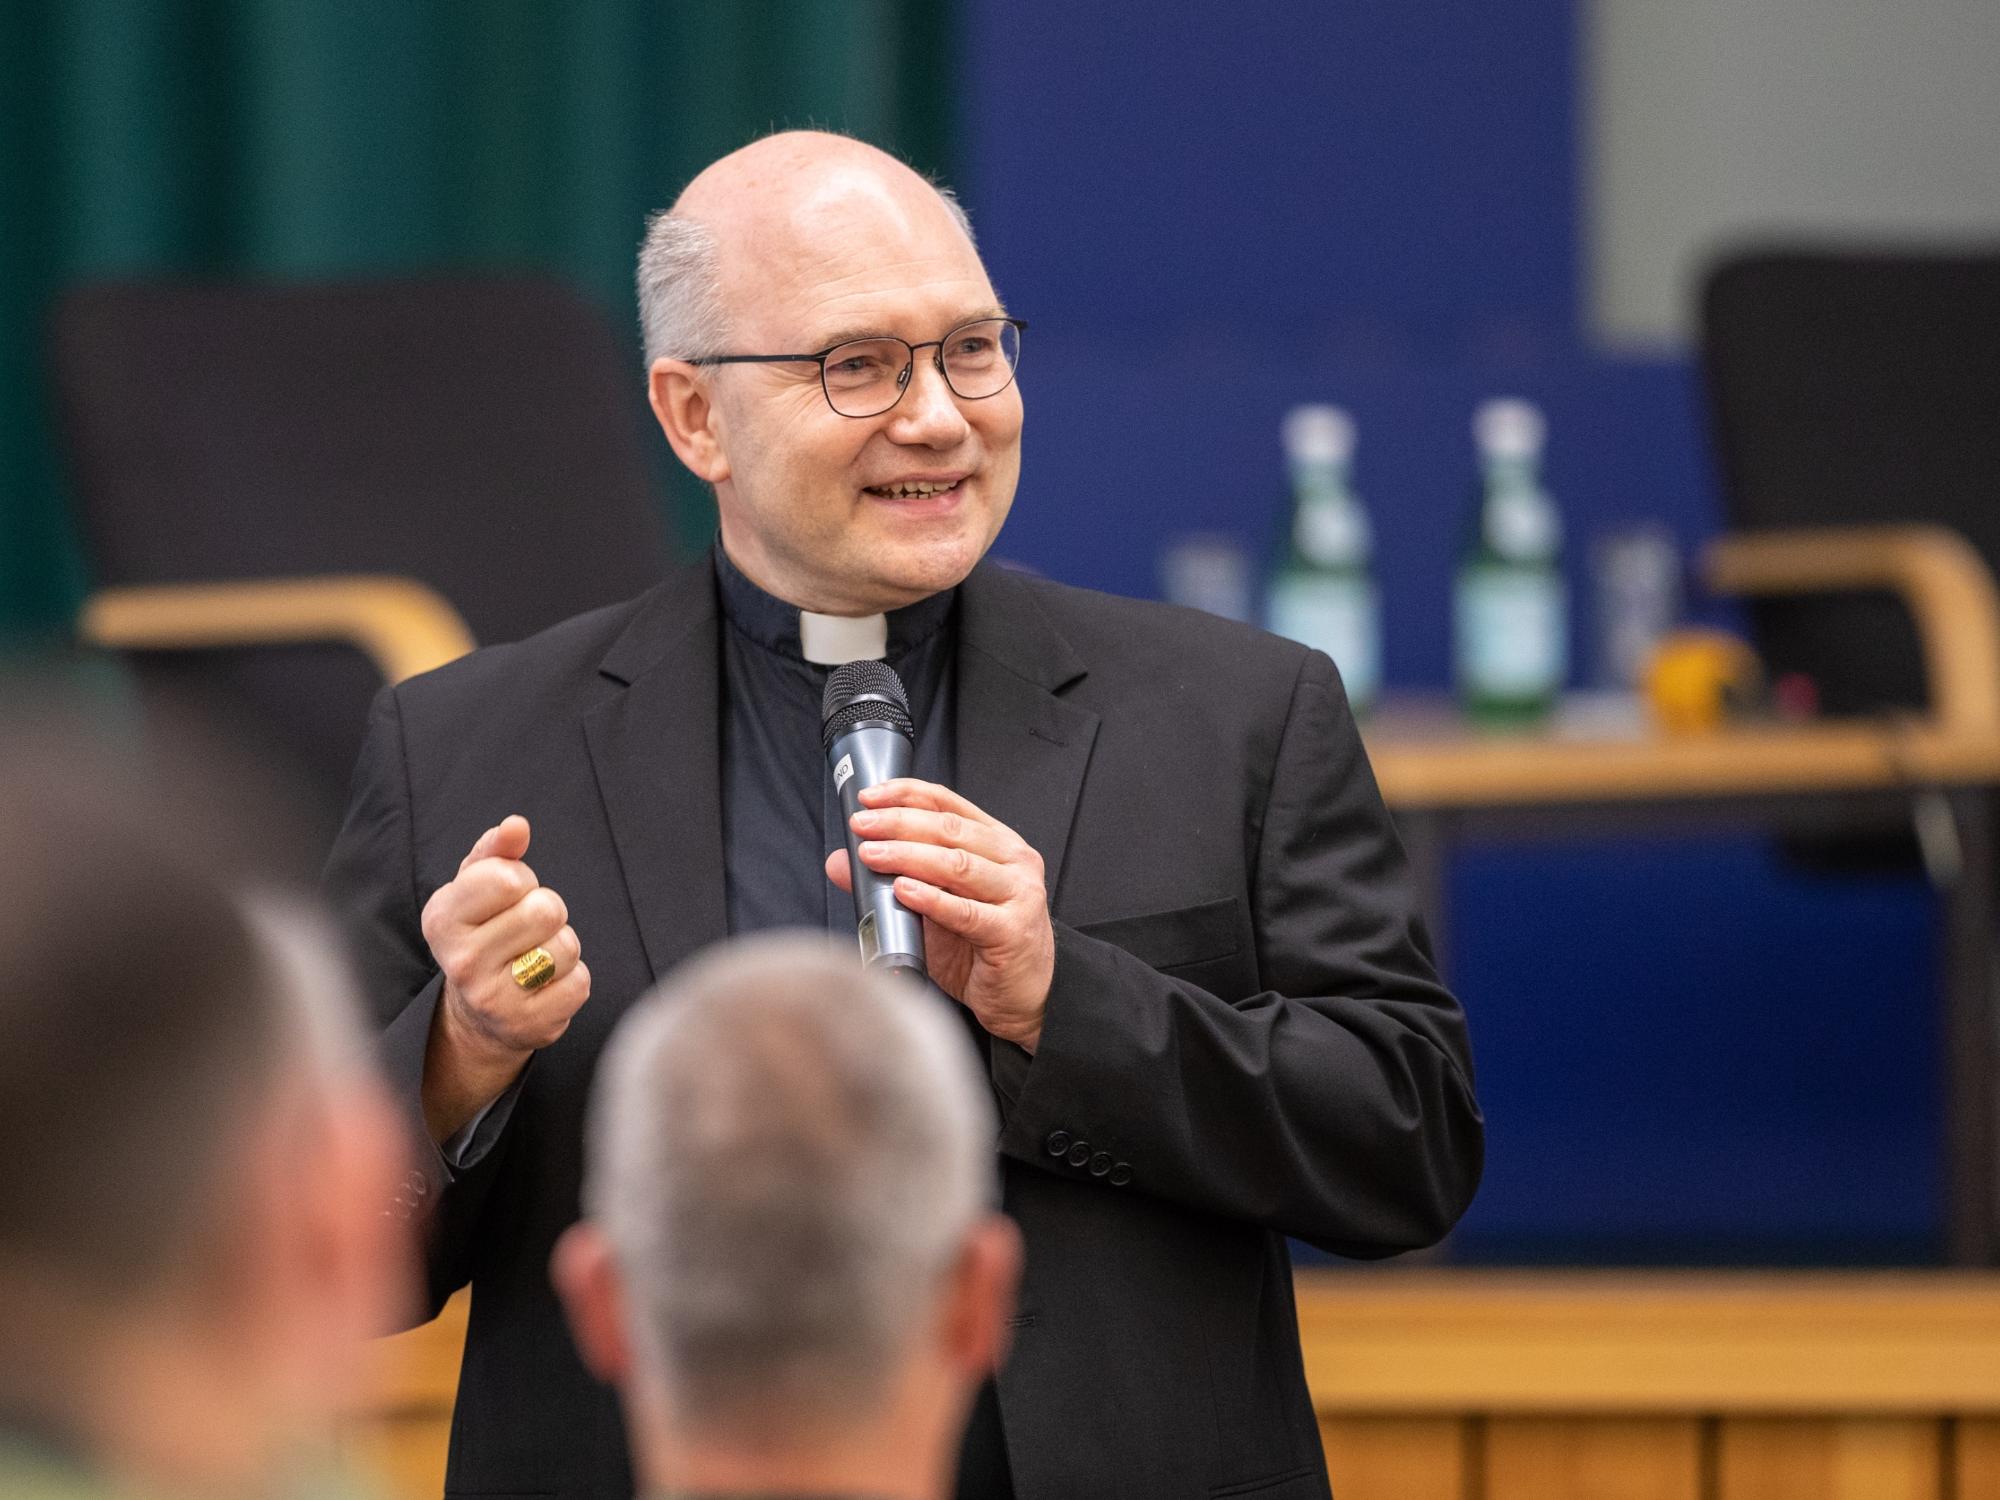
pixel 1245 1038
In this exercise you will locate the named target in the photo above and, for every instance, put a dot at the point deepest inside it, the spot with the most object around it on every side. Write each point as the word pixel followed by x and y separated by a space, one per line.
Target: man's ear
pixel 979 1296
pixel 685 408
pixel 375 1274
pixel 307 1266
pixel 585 1274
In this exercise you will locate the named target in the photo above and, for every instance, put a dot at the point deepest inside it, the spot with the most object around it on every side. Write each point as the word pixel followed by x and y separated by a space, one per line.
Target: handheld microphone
pixel 866 731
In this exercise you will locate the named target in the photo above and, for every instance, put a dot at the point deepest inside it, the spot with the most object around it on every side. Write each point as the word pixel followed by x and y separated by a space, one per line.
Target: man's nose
pixel 929 412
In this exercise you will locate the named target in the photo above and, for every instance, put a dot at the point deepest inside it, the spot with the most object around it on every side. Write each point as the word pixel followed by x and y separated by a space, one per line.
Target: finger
pixel 548 1010
pixel 994 841
pixel 566 948
pixel 507 839
pixel 837 871
pixel 531 922
pixel 972 920
pixel 485 890
pixel 907 791
pixel 512 840
pixel 481 848
pixel 953 869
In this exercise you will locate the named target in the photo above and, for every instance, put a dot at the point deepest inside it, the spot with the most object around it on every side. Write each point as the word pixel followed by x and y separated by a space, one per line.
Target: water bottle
pixel 1323 591
pixel 1511 615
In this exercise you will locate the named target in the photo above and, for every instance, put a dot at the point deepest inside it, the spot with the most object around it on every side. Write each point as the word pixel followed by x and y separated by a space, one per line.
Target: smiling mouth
pixel 912 490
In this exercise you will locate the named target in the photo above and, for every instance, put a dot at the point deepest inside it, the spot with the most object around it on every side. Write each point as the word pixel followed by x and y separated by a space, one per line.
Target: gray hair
pixel 680 283
pixel 785 1151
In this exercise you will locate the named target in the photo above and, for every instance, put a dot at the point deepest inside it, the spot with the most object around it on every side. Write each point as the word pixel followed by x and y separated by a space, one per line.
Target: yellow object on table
pixel 1697 678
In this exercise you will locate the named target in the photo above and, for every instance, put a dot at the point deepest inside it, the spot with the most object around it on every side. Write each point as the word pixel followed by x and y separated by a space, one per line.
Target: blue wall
pixel 1210 212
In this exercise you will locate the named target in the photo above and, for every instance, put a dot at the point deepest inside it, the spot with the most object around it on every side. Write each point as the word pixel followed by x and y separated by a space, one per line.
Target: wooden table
pixel 1593 772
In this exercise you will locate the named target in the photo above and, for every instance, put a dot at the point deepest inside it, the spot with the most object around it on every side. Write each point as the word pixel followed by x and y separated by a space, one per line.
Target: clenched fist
pixel 487 1026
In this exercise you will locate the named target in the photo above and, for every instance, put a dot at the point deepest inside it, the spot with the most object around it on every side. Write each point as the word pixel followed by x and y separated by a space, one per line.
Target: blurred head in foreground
pixel 791 1266
pixel 192 1241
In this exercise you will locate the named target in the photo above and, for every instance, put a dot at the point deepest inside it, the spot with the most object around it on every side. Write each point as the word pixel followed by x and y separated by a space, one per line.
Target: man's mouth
pixel 914 489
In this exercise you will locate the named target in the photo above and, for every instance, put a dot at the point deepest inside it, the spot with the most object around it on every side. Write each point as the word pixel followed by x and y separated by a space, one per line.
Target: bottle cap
pixel 1318 434
pixel 1509 429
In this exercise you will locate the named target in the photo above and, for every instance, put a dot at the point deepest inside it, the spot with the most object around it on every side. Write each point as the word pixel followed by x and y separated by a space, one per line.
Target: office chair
pixel 1854 399
pixel 288 494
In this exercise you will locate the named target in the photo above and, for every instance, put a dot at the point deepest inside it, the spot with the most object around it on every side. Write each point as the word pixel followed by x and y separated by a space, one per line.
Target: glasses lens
pixel 866 377
pixel 979 358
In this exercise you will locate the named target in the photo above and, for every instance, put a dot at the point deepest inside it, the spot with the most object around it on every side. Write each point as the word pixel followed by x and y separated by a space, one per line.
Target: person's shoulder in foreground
pixel 183 1304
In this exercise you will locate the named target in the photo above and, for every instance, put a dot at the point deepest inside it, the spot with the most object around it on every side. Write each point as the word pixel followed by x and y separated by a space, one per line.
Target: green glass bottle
pixel 1323 591
pixel 1511 615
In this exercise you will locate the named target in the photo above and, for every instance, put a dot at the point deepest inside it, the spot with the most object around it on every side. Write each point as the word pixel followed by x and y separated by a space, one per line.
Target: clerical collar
pixel 824 639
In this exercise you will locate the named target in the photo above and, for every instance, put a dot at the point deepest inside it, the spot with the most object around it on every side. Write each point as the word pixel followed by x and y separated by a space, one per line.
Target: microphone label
pixel 843 771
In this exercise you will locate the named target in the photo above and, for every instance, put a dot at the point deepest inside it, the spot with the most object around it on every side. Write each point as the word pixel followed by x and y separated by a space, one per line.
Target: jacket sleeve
pixel 1336 1104
pixel 371 881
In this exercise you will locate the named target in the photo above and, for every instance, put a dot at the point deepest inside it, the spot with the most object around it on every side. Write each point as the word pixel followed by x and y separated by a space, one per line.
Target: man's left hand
pixel 978 885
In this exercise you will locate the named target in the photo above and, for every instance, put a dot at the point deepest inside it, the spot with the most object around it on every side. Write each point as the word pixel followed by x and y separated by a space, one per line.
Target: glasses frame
pixel 1019 325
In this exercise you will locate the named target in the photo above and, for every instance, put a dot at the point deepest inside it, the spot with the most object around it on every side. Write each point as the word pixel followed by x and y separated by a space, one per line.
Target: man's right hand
pixel 487 1026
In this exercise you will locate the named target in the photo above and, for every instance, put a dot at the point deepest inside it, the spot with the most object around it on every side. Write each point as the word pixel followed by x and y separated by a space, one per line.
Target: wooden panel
pixel 420 1368
pixel 1395 1458
pixel 1604 1458
pixel 1753 1343
pixel 1977 1447
pixel 398 1436
pixel 1854 1458
pixel 401 1458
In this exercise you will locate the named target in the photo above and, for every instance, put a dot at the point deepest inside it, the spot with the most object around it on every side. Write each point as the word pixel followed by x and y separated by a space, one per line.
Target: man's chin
pixel 913 570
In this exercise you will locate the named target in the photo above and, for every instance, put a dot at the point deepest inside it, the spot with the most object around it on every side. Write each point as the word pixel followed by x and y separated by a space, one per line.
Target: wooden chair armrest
pixel 402 626
pixel 1942 580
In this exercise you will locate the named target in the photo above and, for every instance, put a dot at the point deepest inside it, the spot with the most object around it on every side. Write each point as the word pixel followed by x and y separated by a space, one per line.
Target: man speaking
pixel 1151 864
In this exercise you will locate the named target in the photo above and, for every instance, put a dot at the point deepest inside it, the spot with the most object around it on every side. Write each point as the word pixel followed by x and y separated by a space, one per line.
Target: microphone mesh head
pixel 861 692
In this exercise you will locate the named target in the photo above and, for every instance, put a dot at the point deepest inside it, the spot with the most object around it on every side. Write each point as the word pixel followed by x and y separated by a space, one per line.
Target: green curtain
pixel 312 138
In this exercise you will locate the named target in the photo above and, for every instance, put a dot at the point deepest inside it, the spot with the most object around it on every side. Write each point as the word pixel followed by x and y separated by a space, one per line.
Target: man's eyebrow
pixel 854 333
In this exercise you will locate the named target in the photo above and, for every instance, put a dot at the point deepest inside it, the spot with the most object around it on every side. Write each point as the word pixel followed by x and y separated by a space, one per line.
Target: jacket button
pixel 1121 1174
pixel 1079 1153
pixel 1058 1142
pixel 1100 1164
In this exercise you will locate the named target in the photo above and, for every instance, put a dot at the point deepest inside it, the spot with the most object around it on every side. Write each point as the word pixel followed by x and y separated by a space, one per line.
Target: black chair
pixel 1855 399
pixel 343 482
pixel 1855 389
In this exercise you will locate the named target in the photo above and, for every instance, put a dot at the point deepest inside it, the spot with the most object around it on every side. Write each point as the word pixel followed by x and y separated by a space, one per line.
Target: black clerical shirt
pixel 781 817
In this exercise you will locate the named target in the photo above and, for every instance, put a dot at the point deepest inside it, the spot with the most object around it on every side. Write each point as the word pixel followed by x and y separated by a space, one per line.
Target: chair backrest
pixel 1845 388
pixel 481 435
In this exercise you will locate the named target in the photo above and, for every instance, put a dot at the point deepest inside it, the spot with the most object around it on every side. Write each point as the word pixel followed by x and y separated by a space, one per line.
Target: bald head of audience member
pixel 792 1265
pixel 192 1237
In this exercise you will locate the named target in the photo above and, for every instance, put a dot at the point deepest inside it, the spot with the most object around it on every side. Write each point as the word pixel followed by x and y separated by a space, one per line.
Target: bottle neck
pixel 1511 471
pixel 1329 528
pixel 1518 522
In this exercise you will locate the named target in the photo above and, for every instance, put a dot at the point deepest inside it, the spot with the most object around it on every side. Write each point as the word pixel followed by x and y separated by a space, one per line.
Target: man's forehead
pixel 845 253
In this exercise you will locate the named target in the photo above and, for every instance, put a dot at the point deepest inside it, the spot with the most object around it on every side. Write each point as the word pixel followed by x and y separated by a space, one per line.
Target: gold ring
pixel 534 969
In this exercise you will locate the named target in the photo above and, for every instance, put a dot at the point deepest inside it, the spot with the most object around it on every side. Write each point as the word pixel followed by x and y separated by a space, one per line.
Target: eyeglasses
pixel 866 377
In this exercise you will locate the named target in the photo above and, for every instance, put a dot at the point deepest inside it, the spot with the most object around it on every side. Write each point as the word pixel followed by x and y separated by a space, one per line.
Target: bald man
pixel 1154 872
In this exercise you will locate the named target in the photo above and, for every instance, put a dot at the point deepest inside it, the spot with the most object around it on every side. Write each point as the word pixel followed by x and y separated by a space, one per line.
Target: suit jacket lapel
pixel 656 749
pixel 1022 750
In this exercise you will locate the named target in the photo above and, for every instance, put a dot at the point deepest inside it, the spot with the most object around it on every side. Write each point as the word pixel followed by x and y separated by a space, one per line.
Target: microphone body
pixel 892 937
pixel 868 738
